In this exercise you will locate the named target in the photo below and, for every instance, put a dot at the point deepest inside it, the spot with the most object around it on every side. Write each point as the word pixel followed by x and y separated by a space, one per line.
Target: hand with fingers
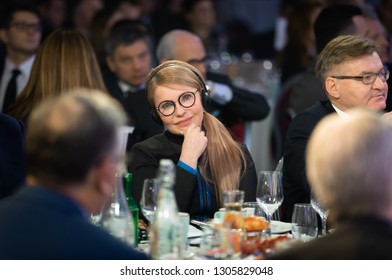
pixel 195 142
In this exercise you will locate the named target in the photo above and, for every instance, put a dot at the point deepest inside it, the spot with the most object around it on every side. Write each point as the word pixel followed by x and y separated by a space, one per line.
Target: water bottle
pixel 116 217
pixel 133 207
pixel 166 230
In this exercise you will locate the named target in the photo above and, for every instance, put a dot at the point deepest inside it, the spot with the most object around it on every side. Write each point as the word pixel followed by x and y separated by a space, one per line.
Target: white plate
pixel 194 232
pixel 280 227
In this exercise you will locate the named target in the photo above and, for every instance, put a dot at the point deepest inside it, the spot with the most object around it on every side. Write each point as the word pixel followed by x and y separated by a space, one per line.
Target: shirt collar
pixel 24 68
pixel 341 114
pixel 128 88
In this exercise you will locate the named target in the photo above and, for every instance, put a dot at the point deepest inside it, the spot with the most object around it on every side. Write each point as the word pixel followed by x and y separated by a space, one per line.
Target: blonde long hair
pixel 64 61
pixel 223 159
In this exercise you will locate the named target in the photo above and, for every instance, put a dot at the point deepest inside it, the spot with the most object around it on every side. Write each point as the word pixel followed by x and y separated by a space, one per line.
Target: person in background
pixel 231 105
pixel 208 160
pixel 384 10
pixel 20 31
pixel 72 156
pixel 129 57
pixel 377 32
pixel 167 16
pixel 54 14
pixel 200 17
pixel 352 177
pixel 64 61
pixel 82 14
pixel 352 75
pixel 104 20
pixel 12 155
pixel 333 20
pixel 300 47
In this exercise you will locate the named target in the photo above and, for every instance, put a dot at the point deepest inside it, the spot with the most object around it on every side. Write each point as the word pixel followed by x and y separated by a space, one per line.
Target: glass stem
pixel 324 226
pixel 269 218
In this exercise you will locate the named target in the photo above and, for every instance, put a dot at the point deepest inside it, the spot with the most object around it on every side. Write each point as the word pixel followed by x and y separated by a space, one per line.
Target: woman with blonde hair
pixel 64 61
pixel 208 160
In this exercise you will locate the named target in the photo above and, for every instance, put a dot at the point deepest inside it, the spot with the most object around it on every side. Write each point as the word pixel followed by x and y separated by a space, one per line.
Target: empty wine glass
pixel 148 201
pixel 304 222
pixel 269 194
pixel 321 210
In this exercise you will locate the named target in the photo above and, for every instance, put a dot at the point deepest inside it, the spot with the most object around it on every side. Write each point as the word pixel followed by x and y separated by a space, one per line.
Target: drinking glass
pixel 233 200
pixel 148 202
pixel 304 222
pixel 321 210
pixel 253 208
pixel 269 194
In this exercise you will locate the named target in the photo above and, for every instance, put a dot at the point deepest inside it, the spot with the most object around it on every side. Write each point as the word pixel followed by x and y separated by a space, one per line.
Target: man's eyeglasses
pixel 367 78
pixel 23 26
pixel 198 61
pixel 168 107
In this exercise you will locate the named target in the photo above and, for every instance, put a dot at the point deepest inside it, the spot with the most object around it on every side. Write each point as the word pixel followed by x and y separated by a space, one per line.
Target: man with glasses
pixel 20 31
pixel 231 105
pixel 352 75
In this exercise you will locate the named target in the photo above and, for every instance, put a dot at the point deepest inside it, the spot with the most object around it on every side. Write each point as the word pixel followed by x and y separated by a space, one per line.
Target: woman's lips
pixel 185 122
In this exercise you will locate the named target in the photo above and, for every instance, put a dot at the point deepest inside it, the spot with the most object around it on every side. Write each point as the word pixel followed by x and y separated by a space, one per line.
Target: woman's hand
pixel 195 142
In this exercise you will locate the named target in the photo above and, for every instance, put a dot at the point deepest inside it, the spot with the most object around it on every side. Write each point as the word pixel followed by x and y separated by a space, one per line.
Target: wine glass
pixel 321 210
pixel 304 222
pixel 148 201
pixel 269 194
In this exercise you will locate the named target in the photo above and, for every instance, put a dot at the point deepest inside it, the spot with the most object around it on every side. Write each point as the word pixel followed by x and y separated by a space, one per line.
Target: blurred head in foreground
pixel 352 173
pixel 72 145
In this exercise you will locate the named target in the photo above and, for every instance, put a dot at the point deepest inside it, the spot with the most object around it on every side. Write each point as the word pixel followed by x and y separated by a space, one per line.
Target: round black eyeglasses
pixel 186 100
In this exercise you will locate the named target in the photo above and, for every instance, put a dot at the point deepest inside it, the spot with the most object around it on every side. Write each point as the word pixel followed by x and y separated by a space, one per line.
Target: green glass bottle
pixel 133 208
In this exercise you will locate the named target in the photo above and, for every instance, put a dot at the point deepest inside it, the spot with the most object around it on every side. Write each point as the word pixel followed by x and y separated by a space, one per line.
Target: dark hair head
pixel 9 10
pixel 334 20
pixel 127 32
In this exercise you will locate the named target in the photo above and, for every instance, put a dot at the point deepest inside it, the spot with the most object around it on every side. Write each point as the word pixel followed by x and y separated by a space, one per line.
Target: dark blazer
pixel 307 90
pixel 245 105
pixel 12 157
pixel 38 223
pixel 137 108
pixel 198 200
pixel 365 238
pixel 295 184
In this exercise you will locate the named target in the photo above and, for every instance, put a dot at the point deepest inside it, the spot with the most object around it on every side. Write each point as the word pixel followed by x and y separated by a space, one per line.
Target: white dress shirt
pixel 341 114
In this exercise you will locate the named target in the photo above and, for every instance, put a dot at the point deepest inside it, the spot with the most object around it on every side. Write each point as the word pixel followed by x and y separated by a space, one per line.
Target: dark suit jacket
pixel 198 200
pixel 12 158
pixel 137 108
pixel 38 223
pixel 295 184
pixel 245 105
pixel 307 90
pixel 365 238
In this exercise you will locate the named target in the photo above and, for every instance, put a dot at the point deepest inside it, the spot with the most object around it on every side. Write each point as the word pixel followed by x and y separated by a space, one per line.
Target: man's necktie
pixel 10 92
